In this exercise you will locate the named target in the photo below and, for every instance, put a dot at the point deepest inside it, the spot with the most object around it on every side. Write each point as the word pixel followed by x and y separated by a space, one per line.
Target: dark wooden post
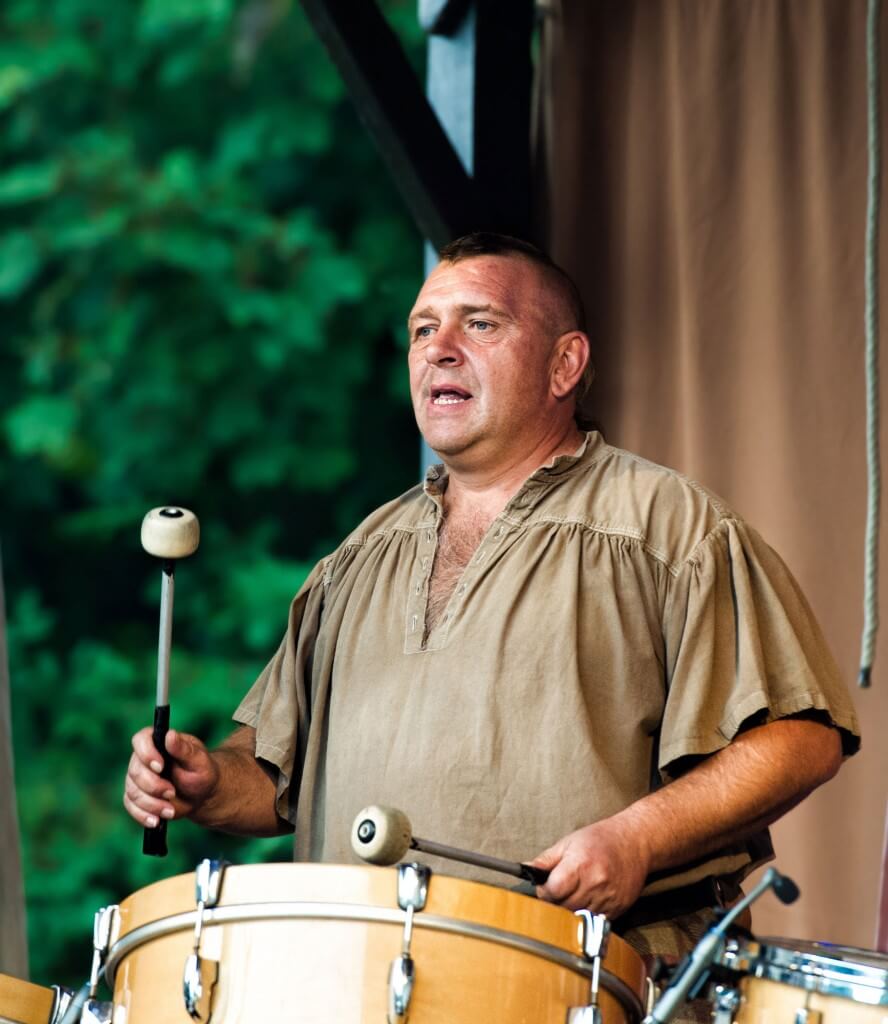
pixel 13 942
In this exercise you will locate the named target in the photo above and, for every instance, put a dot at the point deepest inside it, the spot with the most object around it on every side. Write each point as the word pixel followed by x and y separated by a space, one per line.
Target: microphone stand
pixel 693 968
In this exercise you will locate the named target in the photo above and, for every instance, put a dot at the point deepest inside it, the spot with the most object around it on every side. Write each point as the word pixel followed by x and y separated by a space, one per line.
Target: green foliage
pixel 204 273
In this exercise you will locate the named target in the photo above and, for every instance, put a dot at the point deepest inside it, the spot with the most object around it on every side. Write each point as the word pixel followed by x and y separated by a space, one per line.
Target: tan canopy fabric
pixel 13 948
pixel 706 171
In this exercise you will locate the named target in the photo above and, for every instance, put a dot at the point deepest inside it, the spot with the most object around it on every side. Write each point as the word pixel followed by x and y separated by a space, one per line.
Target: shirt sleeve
pixel 278 705
pixel 741 641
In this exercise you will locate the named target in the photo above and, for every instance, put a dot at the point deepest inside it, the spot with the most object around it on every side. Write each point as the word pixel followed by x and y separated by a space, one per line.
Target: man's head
pixel 487 243
pixel 498 355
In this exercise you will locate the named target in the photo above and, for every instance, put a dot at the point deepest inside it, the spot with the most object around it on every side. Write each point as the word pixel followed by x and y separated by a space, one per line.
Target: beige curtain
pixel 706 183
pixel 13 947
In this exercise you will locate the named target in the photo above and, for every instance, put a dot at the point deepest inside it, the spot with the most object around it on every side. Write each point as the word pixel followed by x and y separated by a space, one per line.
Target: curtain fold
pixel 704 169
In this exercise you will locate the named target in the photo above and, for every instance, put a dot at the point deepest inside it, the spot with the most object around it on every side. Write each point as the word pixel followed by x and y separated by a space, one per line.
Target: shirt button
pixel 461 589
pixel 430 536
pixel 498 533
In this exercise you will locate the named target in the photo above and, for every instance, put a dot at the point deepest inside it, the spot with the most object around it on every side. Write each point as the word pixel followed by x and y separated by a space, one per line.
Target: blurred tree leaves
pixel 203 276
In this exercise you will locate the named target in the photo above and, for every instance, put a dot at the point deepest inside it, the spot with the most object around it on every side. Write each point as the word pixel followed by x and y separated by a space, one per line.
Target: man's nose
pixel 445 348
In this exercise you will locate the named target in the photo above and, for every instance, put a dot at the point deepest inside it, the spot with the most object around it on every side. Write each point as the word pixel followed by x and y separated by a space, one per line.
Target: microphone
pixel 692 969
pixel 785 888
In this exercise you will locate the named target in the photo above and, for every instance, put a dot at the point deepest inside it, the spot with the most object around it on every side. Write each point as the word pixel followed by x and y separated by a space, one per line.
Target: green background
pixel 204 275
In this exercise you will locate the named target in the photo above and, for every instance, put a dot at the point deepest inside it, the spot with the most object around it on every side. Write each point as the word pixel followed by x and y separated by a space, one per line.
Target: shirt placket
pixel 510 520
pixel 480 562
pixel 427 543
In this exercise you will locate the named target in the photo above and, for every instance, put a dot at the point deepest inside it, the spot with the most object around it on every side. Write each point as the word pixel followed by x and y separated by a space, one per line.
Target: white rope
pixel 871 322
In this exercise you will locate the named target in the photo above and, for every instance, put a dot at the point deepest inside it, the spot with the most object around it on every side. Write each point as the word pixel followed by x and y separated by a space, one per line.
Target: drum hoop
pixel 618 988
pixel 812 972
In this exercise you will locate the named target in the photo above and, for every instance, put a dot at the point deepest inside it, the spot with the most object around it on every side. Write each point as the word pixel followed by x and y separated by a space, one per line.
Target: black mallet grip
pixel 154 839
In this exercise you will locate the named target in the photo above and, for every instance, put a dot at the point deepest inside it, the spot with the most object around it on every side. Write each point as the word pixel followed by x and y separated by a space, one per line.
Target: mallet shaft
pixel 165 638
pixel 537 876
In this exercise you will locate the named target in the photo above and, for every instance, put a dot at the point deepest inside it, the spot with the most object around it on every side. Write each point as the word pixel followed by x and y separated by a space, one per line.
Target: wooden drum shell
pixel 24 1003
pixel 770 1002
pixel 315 962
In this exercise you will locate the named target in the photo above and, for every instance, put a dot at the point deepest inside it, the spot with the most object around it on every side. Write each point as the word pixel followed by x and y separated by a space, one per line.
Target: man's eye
pixel 481 325
pixel 422 333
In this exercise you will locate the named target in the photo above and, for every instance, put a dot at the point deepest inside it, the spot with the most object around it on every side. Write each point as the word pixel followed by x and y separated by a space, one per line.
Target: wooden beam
pixel 479 84
pixel 503 93
pixel 441 196
pixel 442 17
pixel 13 943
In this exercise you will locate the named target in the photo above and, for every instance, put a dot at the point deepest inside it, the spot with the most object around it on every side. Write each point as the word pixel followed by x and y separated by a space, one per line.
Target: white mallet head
pixel 170 532
pixel 381 835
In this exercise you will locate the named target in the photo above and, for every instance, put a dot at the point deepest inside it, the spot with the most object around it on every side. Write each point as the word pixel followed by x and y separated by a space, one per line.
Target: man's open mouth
pixel 449 395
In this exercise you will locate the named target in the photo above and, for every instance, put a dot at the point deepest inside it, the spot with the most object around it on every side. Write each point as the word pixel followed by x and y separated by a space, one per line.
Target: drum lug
pixel 96 1012
pixel 105 927
pixel 62 997
pixel 402 974
pixel 650 995
pixel 806 1016
pixel 200 975
pixel 726 1004
pixel 594 932
pixel 413 891
pixel 198 981
pixel 585 1015
pixel 413 887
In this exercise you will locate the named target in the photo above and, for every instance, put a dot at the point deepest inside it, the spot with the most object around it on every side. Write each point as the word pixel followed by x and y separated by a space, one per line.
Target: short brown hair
pixel 490 243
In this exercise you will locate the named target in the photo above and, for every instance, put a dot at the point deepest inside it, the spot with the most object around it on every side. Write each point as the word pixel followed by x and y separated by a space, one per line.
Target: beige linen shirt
pixel 615 619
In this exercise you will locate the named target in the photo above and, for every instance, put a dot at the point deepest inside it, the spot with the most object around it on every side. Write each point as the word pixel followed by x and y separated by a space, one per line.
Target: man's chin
pixel 447 446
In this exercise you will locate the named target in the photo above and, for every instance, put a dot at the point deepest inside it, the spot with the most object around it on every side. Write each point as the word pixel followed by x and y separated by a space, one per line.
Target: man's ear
pixel 569 359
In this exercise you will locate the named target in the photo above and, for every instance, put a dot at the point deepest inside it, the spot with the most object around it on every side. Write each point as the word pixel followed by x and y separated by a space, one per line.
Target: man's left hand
pixel 601 868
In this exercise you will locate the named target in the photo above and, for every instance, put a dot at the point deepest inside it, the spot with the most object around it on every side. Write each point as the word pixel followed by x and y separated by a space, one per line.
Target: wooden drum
pixel 24 1003
pixel 317 943
pixel 790 981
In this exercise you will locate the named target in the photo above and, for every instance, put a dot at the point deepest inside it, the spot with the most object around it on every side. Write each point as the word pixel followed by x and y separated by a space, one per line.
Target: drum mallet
pixel 382 835
pixel 168 533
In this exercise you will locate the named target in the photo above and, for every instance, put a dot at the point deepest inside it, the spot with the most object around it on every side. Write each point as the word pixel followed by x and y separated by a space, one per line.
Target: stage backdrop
pixel 706 183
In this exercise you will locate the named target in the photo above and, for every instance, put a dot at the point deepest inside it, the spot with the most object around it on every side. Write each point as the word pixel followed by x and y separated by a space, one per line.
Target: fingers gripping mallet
pixel 167 533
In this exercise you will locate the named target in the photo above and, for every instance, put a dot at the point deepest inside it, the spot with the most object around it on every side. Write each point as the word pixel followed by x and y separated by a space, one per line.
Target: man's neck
pixel 488 489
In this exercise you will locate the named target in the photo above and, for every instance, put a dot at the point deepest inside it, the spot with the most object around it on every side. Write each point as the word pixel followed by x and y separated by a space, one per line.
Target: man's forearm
pixel 735 792
pixel 243 802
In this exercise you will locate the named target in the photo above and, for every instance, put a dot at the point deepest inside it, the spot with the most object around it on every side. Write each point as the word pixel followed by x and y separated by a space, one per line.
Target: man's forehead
pixel 479 281
pixel 431 309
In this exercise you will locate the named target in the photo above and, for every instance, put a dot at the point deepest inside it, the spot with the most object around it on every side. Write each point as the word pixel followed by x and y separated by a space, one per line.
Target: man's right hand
pixel 195 776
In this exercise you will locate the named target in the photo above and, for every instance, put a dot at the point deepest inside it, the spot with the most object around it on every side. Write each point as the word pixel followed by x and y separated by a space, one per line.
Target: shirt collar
pixel 534 487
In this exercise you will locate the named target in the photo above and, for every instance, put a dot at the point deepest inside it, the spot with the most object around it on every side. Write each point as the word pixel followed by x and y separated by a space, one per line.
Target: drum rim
pixel 805 969
pixel 311 910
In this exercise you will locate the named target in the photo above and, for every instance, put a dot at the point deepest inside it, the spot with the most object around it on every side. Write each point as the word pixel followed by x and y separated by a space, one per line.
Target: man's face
pixel 481 339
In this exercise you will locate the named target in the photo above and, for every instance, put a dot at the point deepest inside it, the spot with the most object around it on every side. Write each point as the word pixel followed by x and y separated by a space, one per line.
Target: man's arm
pixel 731 795
pixel 224 789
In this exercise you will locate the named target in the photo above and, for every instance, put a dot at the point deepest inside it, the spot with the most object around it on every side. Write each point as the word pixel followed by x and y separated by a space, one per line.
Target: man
pixel 552 646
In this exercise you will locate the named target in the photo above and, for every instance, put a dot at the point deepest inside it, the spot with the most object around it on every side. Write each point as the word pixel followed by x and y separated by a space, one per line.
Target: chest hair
pixel 458 540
